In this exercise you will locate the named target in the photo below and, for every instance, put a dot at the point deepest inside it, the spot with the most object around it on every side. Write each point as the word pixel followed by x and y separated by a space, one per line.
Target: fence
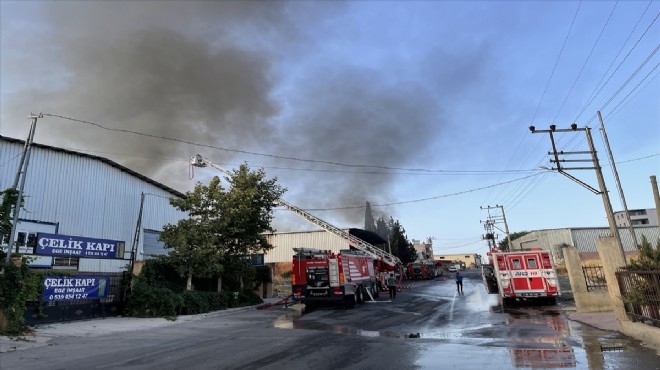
pixel 57 311
pixel 640 291
pixel 594 277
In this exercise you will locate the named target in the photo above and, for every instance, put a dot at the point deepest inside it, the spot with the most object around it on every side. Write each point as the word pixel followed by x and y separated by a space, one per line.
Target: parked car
pixel 453 268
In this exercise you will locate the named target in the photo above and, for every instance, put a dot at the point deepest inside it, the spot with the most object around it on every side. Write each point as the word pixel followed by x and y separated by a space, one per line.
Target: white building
pixel 638 217
pixel 285 242
pixel 78 194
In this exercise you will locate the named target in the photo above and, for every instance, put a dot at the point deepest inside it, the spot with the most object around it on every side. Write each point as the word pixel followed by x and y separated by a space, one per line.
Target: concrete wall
pixel 585 301
pixel 612 258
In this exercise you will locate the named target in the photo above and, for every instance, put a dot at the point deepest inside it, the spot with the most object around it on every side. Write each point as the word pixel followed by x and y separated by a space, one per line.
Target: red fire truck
pixel 325 277
pixel 521 275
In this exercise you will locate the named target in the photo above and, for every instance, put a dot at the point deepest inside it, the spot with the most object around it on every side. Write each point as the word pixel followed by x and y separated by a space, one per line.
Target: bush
pixel 648 257
pixel 248 298
pixel 148 301
pixel 159 273
pixel 160 292
pixel 195 302
pixel 19 286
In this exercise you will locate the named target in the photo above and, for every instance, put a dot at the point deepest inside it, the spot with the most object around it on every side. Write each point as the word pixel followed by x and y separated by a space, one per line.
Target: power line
pixel 634 96
pixel 593 93
pixel 585 62
pixel 614 72
pixel 426 199
pixel 278 156
pixel 637 86
pixel 627 81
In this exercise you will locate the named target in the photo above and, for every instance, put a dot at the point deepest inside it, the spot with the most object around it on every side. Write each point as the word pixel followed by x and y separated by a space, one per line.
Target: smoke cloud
pixel 226 74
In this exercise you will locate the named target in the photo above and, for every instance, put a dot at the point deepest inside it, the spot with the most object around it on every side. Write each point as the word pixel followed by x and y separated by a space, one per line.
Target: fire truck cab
pixel 524 275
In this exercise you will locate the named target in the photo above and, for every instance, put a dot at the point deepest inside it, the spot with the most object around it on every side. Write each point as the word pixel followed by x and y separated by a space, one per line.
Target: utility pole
pixel 489 236
pixel 618 182
pixel 22 172
pixel 136 237
pixel 656 196
pixel 494 220
pixel 506 226
pixel 596 166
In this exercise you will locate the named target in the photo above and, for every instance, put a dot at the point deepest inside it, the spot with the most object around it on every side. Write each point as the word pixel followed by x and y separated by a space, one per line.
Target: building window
pixel 151 246
pixel 467 256
pixel 66 263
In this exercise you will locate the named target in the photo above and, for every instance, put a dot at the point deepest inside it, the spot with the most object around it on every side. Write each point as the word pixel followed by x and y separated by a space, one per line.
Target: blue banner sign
pixel 78 246
pixel 71 288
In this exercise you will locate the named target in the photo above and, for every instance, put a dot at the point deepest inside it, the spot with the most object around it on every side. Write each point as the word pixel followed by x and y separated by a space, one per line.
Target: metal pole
pixel 606 198
pixel 616 178
pixel 25 150
pixel 656 196
pixel 17 207
pixel 506 228
pixel 136 238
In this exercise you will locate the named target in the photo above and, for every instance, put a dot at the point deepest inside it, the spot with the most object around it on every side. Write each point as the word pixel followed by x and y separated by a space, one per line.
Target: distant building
pixel 584 239
pixel 466 260
pixel 424 250
pixel 638 217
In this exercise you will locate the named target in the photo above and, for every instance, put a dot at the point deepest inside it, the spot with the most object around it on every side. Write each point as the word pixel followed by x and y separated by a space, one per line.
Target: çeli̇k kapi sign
pixel 78 246
pixel 71 288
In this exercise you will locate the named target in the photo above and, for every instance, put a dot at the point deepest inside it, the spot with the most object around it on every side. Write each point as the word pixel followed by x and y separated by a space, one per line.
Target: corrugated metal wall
pixel 584 239
pixel 285 242
pixel 86 197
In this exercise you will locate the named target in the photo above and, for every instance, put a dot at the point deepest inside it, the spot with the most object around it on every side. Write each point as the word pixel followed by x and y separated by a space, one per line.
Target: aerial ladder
pixel 379 254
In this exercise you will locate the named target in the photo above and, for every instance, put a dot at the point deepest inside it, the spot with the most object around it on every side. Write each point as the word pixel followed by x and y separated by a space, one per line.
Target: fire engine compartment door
pixel 333 272
pixel 318 277
pixel 526 274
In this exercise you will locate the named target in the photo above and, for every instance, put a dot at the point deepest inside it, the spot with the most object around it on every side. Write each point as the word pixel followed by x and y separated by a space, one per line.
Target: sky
pixel 420 108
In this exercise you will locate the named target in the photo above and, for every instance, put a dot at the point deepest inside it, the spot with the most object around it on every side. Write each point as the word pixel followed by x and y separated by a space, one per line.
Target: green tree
pixel 9 197
pixel 401 246
pixel 648 256
pixel 382 229
pixel 224 224
pixel 504 244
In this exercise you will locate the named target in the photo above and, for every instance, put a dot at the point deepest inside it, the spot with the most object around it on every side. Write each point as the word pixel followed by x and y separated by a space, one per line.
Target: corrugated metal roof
pixel 104 160
pixel 87 196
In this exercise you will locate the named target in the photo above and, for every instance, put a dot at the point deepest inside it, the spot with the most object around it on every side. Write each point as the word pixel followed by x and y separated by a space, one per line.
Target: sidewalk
pixel 601 320
pixel 43 334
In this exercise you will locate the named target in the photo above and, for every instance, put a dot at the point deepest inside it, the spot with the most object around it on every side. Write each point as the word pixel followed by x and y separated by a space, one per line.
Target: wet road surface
pixel 474 329
pixel 428 326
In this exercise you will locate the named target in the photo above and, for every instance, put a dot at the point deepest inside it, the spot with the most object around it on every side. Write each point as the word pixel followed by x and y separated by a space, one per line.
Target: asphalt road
pixel 428 326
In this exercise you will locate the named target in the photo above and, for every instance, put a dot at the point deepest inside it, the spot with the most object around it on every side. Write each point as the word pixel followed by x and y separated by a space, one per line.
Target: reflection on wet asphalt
pixel 476 331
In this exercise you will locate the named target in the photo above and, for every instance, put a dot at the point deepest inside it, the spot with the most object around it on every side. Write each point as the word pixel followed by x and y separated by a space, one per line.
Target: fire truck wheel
pixel 351 300
pixel 359 294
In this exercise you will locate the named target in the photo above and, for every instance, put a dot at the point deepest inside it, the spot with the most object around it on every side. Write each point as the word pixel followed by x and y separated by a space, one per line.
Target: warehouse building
pixel 82 195
pixel 584 239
